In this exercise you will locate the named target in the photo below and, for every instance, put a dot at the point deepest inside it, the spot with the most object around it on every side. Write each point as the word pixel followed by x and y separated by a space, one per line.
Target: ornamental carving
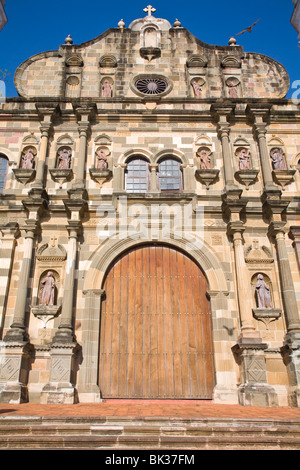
pixel 51 252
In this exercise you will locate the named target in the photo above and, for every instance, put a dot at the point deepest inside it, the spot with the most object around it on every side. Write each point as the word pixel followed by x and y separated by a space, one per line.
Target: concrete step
pixel 148 433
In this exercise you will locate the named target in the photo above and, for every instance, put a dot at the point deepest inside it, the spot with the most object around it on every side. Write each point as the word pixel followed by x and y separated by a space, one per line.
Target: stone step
pixel 148 433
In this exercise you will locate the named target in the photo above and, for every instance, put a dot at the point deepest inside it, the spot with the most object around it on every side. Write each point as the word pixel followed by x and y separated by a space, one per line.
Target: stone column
pixel 17 332
pixel 276 230
pixel 84 115
pixel 47 115
pixel 88 388
pixel 9 234
pixel 15 352
pixel 153 178
pixel 248 330
pixel 65 329
pixel 260 128
pixel 295 236
pixel 223 115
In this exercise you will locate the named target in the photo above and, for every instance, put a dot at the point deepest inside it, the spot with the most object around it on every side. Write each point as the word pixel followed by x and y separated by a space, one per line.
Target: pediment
pixel 48 252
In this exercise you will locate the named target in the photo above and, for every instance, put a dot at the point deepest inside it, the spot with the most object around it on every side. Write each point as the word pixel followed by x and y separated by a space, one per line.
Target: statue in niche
pixel 232 84
pixel 106 89
pixel 64 159
pixel 150 37
pixel 197 89
pixel 278 159
pixel 101 160
pixel 244 159
pixel 47 296
pixel 263 294
pixel 27 161
pixel 205 160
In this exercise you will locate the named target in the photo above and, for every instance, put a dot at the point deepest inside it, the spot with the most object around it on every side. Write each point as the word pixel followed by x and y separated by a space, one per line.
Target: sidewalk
pixel 151 408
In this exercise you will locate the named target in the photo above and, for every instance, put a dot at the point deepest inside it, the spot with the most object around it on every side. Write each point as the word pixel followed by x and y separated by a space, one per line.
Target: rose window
pixel 151 86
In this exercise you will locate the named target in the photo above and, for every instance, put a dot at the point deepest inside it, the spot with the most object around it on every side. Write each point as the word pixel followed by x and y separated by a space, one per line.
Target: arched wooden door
pixel 156 335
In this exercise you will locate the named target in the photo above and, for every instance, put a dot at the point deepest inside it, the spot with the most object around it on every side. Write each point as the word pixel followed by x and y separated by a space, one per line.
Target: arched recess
pixel 96 268
pixel 156 327
pixel 107 252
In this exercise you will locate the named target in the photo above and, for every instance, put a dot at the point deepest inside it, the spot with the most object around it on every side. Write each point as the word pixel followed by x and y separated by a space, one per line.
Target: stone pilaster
pixel 47 115
pixel 88 389
pixel 17 332
pixel 259 116
pixel 84 115
pixel 9 233
pixel 248 330
pixel 276 230
pixel 291 347
pixel 295 236
pixel 65 330
pixel 223 114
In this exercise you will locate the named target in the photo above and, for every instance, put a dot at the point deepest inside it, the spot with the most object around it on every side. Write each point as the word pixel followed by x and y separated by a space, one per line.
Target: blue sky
pixel 42 25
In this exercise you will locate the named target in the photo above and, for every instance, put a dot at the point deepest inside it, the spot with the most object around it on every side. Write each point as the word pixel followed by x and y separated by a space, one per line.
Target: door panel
pixel 156 338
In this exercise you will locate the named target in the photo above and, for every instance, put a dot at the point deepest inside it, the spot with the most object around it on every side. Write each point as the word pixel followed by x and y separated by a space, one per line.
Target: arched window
pixel 170 175
pixel 3 171
pixel 137 178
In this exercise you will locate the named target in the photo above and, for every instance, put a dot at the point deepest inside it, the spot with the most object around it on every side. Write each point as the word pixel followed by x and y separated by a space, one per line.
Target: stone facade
pixel 149 90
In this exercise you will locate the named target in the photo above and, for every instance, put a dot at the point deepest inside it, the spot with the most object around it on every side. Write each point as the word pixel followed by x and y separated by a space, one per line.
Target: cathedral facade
pixel 149 220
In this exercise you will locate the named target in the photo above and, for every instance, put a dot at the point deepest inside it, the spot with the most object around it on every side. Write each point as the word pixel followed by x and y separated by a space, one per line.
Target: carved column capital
pixel 74 228
pixel 275 228
pixel 236 229
pixel 258 113
pixel 10 230
pixel 294 233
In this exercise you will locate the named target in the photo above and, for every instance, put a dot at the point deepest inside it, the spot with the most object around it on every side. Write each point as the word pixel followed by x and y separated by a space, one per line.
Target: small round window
pixel 151 86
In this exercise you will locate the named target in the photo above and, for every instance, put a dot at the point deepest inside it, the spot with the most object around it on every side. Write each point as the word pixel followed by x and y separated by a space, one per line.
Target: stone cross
pixel 149 10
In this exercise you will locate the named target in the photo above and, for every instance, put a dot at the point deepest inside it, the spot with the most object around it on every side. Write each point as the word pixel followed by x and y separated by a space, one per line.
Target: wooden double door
pixel 156 334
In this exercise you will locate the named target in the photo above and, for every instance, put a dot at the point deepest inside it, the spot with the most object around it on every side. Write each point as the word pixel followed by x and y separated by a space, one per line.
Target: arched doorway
pixel 156 334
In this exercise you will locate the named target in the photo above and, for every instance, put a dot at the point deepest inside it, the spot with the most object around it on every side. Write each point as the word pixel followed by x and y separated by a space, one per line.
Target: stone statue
pixel 101 159
pixel 232 85
pixel 27 161
pixel 47 289
pixel 106 89
pixel 205 160
pixel 263 294
pixel 278 159
pixel 64 159
pixel 244 160
pixel 197 89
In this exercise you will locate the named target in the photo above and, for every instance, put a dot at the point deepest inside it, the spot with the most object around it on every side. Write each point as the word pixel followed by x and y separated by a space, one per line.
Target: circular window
pixel 151 86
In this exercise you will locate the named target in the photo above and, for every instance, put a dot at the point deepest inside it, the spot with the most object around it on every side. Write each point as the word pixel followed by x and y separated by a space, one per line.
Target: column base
pixel 59 394
pixel 14 368
pixel 15 393
pixel 89 394
pixel 260 395
pixel 254 389
pixel 291 358
pixel 61 388
pixel 225 395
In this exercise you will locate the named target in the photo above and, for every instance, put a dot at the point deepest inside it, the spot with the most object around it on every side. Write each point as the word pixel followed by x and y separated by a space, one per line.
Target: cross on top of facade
pixel 149 10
